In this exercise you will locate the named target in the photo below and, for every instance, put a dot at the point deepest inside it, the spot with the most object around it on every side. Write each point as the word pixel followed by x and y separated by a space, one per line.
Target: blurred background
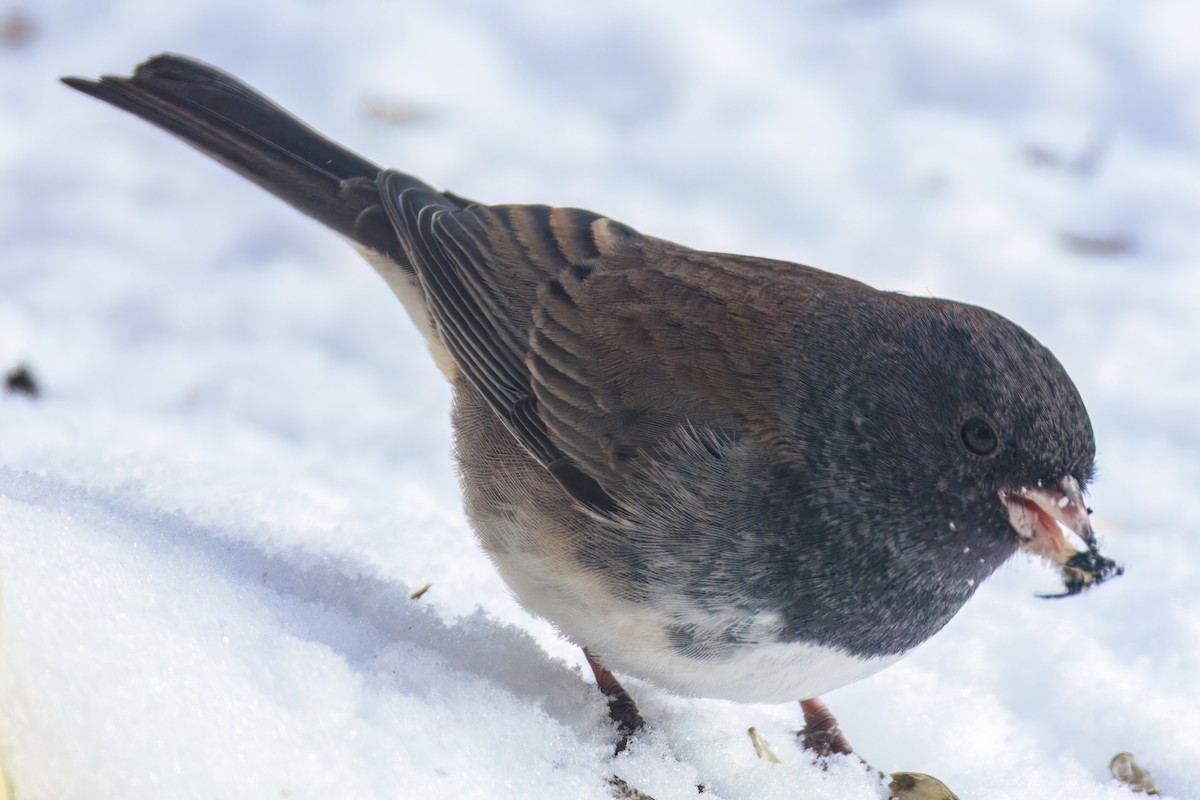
pixel 223 390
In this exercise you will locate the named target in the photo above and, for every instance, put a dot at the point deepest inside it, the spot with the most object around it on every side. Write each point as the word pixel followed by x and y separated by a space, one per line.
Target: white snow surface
pixel 238 470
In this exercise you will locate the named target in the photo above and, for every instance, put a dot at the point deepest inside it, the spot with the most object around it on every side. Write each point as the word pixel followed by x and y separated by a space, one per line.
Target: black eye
pixel 978 436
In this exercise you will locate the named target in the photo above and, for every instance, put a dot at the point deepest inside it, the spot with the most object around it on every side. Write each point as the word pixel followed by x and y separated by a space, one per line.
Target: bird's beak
pixel 1040 515
pixel 1035 513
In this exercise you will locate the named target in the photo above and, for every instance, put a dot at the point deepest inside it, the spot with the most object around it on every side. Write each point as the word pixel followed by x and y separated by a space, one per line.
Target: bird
pixel 728 476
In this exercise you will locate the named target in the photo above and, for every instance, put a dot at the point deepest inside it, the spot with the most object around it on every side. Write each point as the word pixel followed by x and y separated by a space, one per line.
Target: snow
pixel 238 470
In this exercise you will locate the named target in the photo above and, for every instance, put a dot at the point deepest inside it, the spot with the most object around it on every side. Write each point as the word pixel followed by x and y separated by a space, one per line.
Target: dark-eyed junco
pixel 730 476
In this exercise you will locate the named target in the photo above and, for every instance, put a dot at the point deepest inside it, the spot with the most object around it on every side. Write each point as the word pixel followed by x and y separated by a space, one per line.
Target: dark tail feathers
pixel 230 122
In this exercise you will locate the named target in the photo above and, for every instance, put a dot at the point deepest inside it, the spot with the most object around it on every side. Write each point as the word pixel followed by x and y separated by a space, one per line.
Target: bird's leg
pixel 621 707
pixel 822 736
pixel 821 733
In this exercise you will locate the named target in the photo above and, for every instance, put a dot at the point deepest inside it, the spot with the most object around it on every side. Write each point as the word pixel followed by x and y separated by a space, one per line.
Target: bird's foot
pixel 821 735
pixel 623 711
pixel 621 708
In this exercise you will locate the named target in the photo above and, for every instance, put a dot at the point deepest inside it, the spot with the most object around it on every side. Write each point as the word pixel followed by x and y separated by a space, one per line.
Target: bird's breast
pixel 672 607
pixel 686 648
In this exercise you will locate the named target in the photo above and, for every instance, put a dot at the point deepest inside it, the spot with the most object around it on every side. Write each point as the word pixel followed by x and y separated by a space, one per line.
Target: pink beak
pixel 1040 515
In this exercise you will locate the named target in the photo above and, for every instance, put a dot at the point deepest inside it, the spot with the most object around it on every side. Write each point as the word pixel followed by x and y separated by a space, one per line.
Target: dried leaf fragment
pixel 918 786
pixel 395 112
pixel 762 748
pixel 20 380
pixel 16 30
pixel 623 791
pixel 1126 770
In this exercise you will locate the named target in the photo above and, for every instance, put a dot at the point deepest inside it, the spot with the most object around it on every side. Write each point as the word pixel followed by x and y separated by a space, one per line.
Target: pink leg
pixel 821 733
pixel 621 707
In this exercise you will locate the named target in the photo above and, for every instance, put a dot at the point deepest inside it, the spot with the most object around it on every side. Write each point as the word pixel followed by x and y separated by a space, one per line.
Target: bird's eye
pixel 979 437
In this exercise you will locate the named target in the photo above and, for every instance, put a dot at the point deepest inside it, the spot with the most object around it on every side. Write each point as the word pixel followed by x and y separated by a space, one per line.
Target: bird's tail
pixel 230 122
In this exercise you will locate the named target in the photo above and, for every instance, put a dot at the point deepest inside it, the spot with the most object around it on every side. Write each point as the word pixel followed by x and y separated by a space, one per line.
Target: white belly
pixel 634 639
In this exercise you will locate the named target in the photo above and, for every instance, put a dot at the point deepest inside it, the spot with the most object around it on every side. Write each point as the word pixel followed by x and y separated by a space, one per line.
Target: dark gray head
pixel 954 403
pixel 915 445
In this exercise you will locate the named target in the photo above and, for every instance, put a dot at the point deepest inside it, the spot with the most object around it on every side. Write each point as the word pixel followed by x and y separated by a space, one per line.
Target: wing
pixel 594 344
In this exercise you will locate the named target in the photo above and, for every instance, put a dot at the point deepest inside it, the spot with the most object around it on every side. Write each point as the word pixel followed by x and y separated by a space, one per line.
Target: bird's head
pixel 963 423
